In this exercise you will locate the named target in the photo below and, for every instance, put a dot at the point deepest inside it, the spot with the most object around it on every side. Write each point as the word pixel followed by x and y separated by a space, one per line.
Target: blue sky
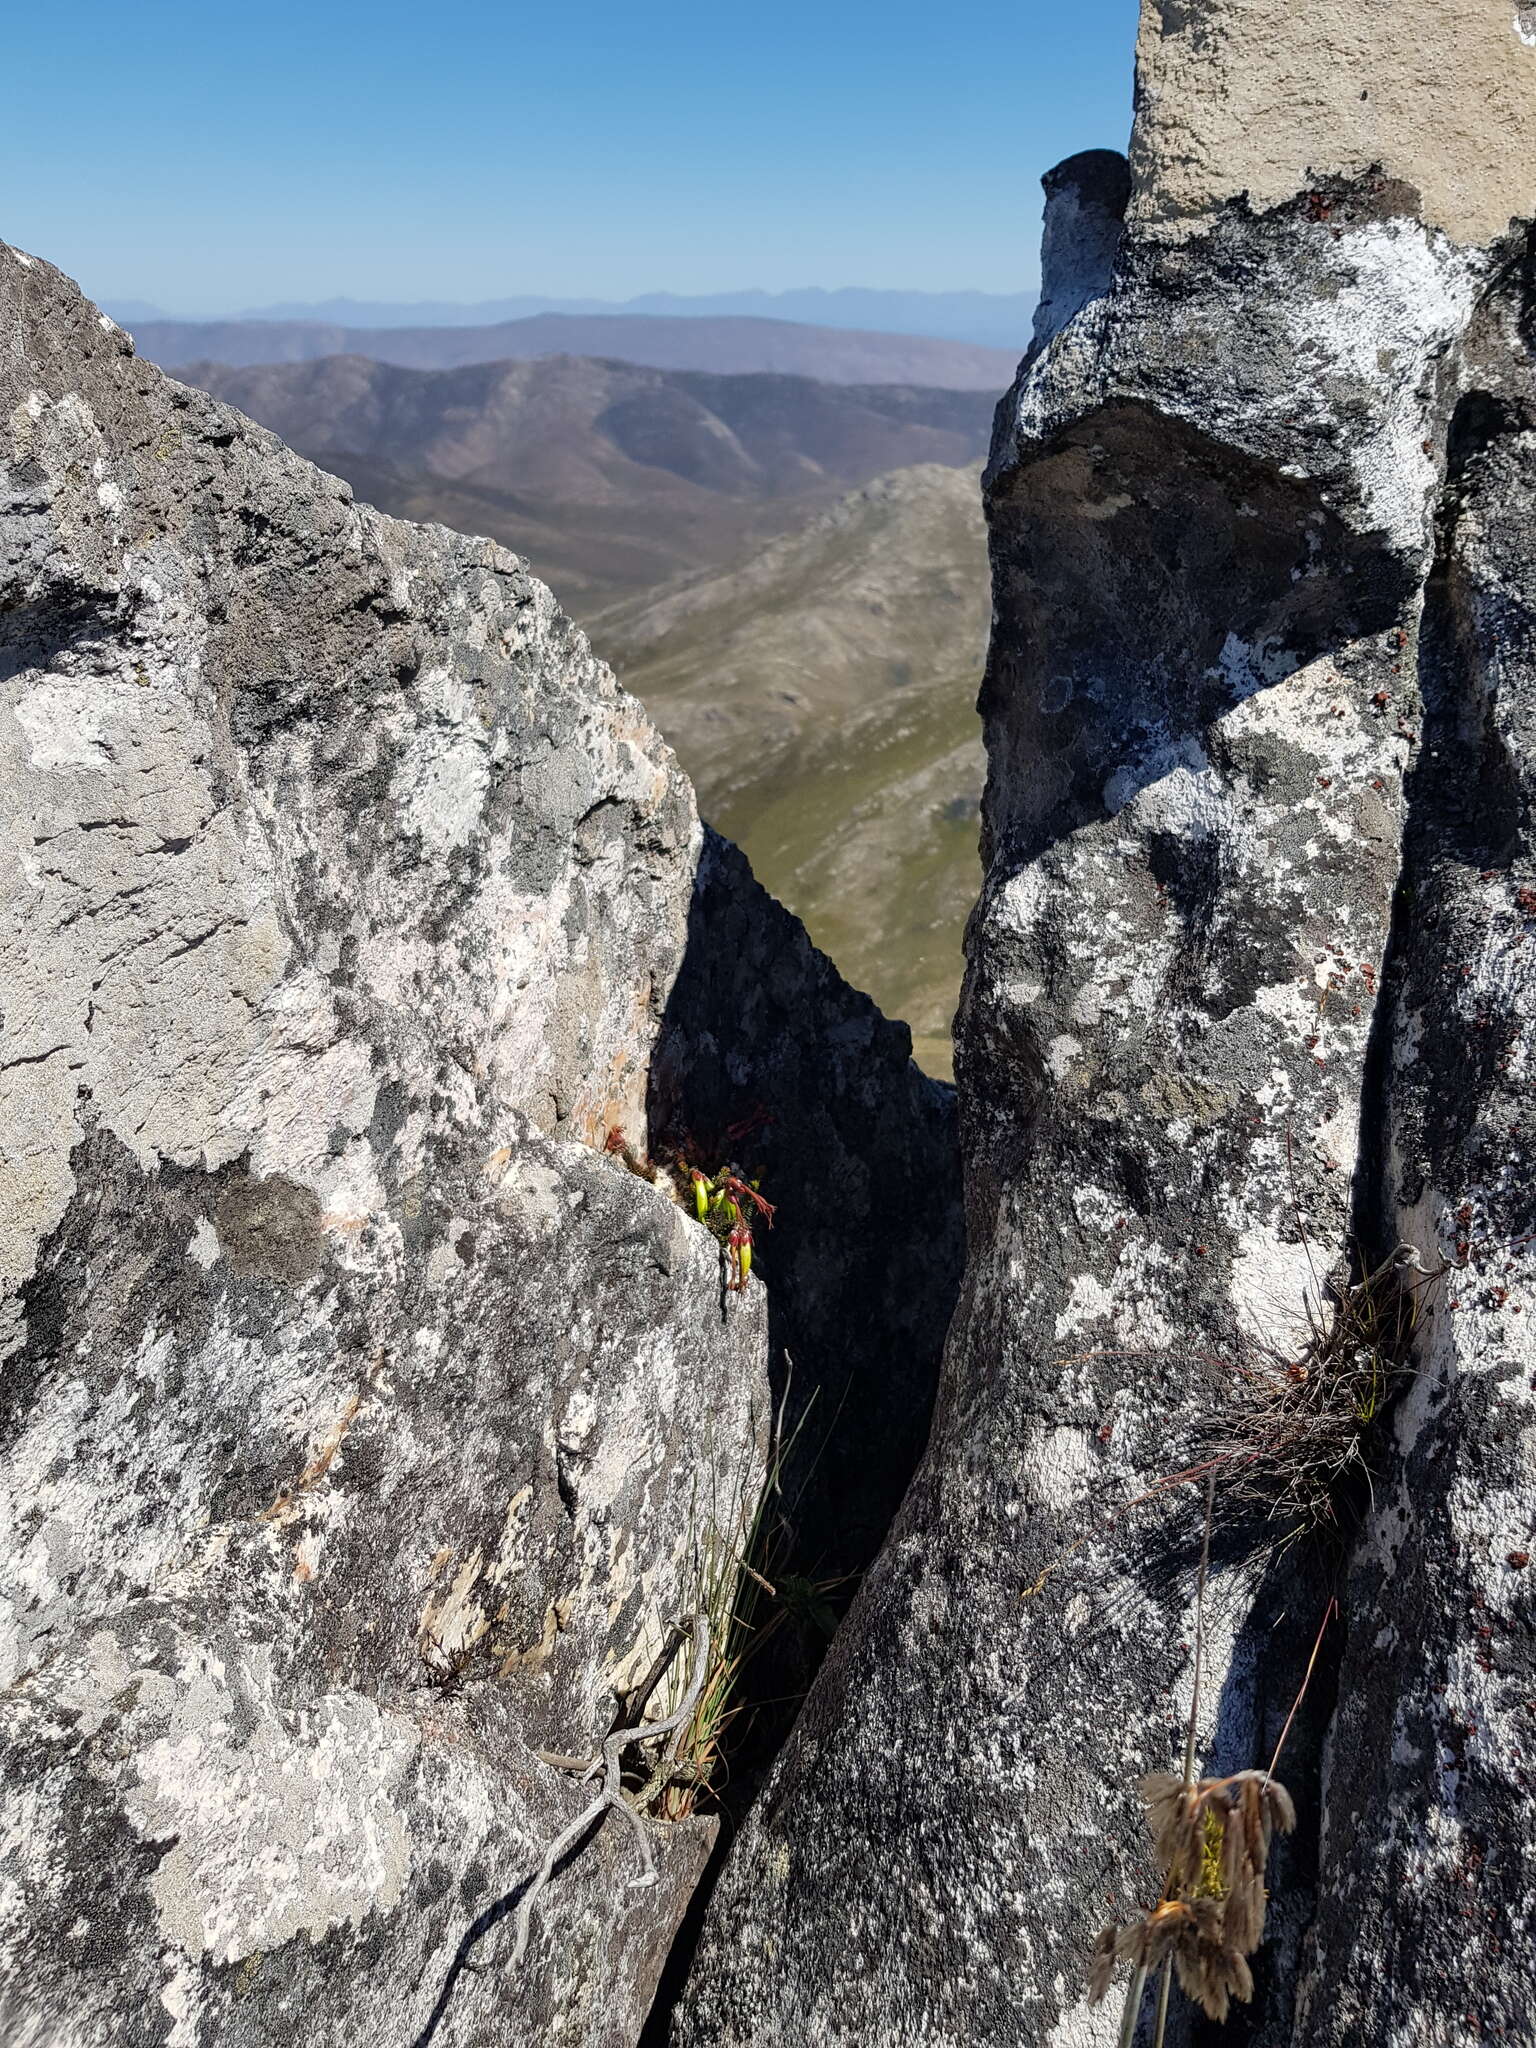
pixel 215 156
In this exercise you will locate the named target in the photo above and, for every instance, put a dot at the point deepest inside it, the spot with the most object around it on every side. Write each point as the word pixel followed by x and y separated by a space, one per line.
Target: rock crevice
pixel 367 1400
pixel 363 1417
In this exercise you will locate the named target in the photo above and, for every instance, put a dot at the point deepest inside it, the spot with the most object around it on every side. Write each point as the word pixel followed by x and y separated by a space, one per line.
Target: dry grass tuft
pixel 742 1581
pixel 1211 1837
pixel 1291 1432
pixel 1187 1933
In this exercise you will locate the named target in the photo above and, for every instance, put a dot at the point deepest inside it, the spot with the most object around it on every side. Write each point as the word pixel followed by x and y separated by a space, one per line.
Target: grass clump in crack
pixel 667 1749
pixel 1290 1436
pixel 741 1580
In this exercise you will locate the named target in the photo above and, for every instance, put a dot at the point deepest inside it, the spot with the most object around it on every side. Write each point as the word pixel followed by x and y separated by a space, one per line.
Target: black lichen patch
pixel 269 1228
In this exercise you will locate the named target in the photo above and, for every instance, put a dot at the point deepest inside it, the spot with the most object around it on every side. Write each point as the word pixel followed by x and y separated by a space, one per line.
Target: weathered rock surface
pixel 1250 101
pixel 1246 998
pixel 1427 1921
pixel 357 1411
pixel 1084 219
pixel 345 892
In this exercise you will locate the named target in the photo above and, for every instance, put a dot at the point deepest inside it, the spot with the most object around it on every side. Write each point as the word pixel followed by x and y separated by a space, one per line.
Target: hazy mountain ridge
pixel 723 345
pixel 992 319
pixel 611 477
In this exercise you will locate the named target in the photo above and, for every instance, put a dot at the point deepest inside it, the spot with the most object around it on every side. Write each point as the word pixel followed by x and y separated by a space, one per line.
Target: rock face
pixel 1428 1908
pixel 1084 219
pixel 1248 100
pixel 357 1410
pixel 1248 1006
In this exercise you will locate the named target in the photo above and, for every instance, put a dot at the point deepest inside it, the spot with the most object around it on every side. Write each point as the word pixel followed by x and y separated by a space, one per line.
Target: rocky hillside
pixel 723 345
pixel 373 1403
pixel 1245 1059
pixel 821 694
pixel 611 478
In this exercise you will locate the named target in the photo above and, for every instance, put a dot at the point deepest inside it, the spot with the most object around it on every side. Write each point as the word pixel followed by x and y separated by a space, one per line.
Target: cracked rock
pixel 1246 1008
pixel 357 1408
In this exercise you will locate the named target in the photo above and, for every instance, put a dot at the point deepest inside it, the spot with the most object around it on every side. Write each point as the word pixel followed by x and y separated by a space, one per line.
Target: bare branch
pixel 609 1767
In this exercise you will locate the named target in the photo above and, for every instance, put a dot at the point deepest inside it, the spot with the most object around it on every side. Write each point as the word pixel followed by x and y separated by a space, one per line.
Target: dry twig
pixel 613 1795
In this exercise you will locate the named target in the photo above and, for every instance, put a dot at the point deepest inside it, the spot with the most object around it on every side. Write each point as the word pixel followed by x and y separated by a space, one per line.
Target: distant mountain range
pixel 991 319
pixel 726 345
pixel 611 477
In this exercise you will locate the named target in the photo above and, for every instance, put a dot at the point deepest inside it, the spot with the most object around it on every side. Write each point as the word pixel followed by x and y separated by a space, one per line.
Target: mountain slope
pixel 610 477
pixel 821 695
pixel 728 346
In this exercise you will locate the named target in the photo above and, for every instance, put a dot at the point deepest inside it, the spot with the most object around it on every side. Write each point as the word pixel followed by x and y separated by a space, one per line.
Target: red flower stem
pixel 1328 1613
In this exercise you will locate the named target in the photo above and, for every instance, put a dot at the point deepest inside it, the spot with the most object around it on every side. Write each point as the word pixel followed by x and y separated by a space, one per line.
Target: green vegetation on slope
pixel 821 695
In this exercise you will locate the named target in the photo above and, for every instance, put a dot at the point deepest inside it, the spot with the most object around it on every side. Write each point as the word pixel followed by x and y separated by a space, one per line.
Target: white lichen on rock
pixel 347 892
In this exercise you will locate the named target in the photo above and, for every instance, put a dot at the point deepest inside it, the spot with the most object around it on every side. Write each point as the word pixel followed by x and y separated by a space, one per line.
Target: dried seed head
pixel 1173 1815
pixel 1102 1966
pixel 1213 1841
pixel 1210 1969
pixel 1279 1805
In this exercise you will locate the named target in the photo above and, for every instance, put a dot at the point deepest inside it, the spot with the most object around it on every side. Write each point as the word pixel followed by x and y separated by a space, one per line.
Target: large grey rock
pixel 361 1419
pixel 355 1413
pixel 1084 218
pixel 1230 934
